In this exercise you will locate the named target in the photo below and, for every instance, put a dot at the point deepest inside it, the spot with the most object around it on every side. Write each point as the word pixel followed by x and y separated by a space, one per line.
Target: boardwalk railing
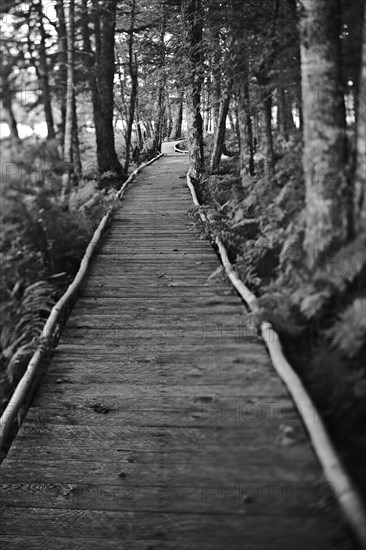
pixel 343 487
pixel 177 150
pixel 27 383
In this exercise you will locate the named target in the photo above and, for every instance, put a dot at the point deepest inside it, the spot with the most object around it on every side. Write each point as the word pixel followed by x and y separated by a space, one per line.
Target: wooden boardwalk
pixel 161 423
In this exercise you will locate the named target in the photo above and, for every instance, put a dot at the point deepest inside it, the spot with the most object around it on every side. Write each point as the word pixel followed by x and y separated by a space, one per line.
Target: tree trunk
pixel 360 167
pixel 132 66
pixel 43 76
pixel 160 119
pixel 62 63
pixel 105 65
pixel 91 64
pixel 244 122
pixel 177 115
pixel 284 114
pixel 192 27
pixel 220 129
pixel 10 117
pixel 161 87
pixel 216 77
pixel 324 153
pixel 7 100
pixel 138 125
pixel 149 129
pixel 68 141
pixel 207 123
pixel 169 120
pixel 234 125
pixel 267 139
pixel 76 160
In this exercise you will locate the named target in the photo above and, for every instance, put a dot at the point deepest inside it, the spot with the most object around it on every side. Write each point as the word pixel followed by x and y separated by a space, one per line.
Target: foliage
pixel 41 245
pixel 348 334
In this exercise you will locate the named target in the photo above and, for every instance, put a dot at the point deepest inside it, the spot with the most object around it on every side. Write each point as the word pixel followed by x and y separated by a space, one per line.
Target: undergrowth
pixel 319 313
pixel 41 246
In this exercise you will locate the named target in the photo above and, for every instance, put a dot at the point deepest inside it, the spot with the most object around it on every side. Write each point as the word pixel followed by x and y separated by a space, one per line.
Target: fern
pixel 312 305
pixel 348 335
pixel 345 266
pixel 23 317
pixel 333 279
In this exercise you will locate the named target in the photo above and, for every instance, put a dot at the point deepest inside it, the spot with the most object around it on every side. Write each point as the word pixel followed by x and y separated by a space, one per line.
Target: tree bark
pixel 161 86
pixel 360 166
pixel 43 75
pixel 207 122
pixel 7 101
pixel 91 64
pixel 62 62
pixel 138 125
pixel 216 77
pixel 149 129
pixel 105 21
pixel 132 66
pixel 69 124
pixel 160 119
pixel 76 159
pixel 284 113
pixel 192 27
pixel 177 115
pixel 169 120
pixel 324 152
pixel 244 122
pixel 267 139
pixel 220 129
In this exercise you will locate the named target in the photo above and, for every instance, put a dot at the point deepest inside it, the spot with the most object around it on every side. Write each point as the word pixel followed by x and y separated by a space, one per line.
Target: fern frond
pixel 348 335
pixel 23 318
pixel 345 266
pixel 313 304
pixel 37 297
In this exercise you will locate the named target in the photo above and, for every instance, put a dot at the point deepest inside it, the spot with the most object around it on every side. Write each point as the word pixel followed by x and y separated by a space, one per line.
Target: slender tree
pixel 161 79
pixel 7 98
pixel 177 113
pixel 40 61
pixel 62 64
pixel 220 129
pixel 133 73
pixel 192 14
pixel 360 167
pixel 69 120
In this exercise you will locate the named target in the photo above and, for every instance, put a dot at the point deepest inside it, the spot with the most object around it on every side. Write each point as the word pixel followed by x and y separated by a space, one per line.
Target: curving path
pixel 161 423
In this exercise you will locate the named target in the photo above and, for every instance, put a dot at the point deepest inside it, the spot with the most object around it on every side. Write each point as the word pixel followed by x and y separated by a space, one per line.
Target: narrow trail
pixel 161 422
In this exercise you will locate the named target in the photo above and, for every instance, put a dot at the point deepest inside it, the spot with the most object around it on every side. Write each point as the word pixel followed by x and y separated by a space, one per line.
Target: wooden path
pixel 161 423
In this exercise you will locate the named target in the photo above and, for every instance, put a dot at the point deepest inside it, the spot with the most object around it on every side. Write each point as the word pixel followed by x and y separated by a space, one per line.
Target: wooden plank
pixel 171 527
pixel 222 495
pixel 141 467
